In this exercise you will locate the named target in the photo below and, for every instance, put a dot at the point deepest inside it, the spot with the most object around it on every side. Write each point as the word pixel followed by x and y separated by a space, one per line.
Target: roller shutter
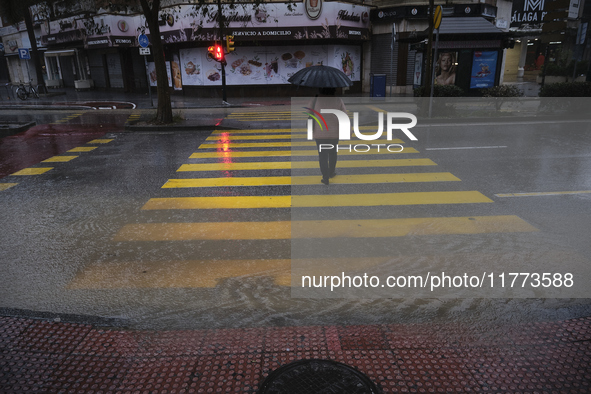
pixel 114 69
pixel 381 55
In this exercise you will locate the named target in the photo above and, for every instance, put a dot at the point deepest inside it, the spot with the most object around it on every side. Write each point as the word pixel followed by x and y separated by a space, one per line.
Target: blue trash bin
pixel 377 85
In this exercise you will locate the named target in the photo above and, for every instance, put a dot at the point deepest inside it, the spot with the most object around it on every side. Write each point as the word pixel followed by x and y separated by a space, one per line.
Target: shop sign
pixel 298 33
pixel 313 8
pixel 122 41
pixel 273 16
pixel 15 41
pixel 390 14
pixel 527 12
pixel 12 46
pixel 97 42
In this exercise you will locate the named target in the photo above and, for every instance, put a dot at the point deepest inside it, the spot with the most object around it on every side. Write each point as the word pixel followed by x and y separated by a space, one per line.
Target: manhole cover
pixel 317 376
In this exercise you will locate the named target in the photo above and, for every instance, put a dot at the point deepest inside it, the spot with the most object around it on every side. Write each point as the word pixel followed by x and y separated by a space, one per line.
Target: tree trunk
pixel 164 111
pixel 34 53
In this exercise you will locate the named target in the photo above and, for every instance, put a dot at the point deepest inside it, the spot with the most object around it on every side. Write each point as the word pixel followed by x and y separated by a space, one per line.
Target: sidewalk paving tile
pixel 61 357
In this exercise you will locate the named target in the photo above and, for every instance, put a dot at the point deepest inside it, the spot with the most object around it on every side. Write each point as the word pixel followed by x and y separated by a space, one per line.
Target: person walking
pixel 327 139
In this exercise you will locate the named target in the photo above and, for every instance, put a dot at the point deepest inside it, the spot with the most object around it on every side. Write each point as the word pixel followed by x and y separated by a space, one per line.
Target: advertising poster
pixel 445 68
pixel 175 68
pixel 418 69
pixel 190 62
pixel 152 74
pixel 347 59
pixel 265 65
pixel 484 64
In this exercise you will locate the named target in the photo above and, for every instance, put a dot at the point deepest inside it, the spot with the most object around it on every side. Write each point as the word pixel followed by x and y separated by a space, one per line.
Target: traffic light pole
pixel 433 72
pixel 221 22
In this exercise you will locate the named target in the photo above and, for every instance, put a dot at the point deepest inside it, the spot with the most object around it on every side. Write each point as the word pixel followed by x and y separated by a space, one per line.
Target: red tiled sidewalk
pixel 53 357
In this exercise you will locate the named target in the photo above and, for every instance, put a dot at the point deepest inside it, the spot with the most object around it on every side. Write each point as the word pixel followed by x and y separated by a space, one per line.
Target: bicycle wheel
pixel 21 93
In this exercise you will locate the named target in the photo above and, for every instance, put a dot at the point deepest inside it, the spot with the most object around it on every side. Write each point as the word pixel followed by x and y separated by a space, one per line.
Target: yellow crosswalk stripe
pixel 100 141
pixel 5 186
pixel 249 137
pixel 251 131
pixel 224 138
pixel 372 228
pixel 59 159
pixel 283 165
pixel 310 180
pixel 276 131
pixel 82 149
pixel 286 153
pixel 334 200
pixel 33 171
pixel 229 145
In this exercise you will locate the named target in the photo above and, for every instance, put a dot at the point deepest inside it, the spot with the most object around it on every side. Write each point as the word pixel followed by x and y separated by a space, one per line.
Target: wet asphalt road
pixel 77 238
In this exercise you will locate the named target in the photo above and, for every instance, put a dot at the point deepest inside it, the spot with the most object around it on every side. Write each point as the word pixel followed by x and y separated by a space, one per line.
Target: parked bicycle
pixel 25 91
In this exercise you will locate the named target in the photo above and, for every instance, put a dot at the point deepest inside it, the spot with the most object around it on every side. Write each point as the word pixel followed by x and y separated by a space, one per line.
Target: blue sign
pixel 143 40
pixel 23 53
pixel 484 69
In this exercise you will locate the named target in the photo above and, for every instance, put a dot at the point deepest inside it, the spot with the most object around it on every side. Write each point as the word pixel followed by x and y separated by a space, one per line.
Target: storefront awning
pixel 63 52
pixel 472 25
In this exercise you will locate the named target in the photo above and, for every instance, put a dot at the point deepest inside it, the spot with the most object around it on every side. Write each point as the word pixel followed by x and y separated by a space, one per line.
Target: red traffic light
pixel 216 52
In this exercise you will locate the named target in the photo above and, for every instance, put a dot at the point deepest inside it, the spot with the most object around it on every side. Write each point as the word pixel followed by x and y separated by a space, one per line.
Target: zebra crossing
pixel 232 175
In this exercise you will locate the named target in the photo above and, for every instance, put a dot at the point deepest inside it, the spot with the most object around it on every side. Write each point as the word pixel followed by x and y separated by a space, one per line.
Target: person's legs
pixel 332 158
pixel 323 158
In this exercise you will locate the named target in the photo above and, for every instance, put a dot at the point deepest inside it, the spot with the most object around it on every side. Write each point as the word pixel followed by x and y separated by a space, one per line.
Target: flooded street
pixel 173 229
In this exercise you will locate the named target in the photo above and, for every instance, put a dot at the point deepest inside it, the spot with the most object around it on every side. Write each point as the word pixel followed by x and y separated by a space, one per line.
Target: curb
pixel 174 128
pixel 7 129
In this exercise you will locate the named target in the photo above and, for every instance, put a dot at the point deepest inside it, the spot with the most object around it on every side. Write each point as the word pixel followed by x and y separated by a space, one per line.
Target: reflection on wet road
pixel 193 230
pixel 53 135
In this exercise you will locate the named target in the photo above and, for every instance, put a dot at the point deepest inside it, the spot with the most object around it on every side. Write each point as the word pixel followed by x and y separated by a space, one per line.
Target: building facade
pixel 481 44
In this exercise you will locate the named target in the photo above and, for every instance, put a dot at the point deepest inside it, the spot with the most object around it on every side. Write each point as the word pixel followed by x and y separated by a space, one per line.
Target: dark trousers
pixel 327 157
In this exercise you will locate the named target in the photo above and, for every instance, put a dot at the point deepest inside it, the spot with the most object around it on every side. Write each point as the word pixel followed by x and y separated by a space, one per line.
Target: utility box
pixel 377 85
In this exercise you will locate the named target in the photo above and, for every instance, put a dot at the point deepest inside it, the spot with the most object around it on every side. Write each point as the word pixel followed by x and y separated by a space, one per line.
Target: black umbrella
pixel 321 77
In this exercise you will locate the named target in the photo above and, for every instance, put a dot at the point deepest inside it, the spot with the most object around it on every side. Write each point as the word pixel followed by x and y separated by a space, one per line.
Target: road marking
pixel 535 194
pixel 468 147
pixel 67 119
pixel 229 145
pixel 374 108
pixel 310 180
pixel 133 117
pixel 100 141
pixel 229 137
pixel 33 171
pixel 5 186
pixel 83 149
pixel 253 131
pixel 334 200
pixel 295 130
pixel 222 138
pixel 376 228
pixel 283 165
pixel 287 153
pixel 59 159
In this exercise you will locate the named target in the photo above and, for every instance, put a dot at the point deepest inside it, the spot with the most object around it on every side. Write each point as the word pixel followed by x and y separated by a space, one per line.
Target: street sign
pixel 437 17
pixel 142 39
pixel 23 53
pixel 144 51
